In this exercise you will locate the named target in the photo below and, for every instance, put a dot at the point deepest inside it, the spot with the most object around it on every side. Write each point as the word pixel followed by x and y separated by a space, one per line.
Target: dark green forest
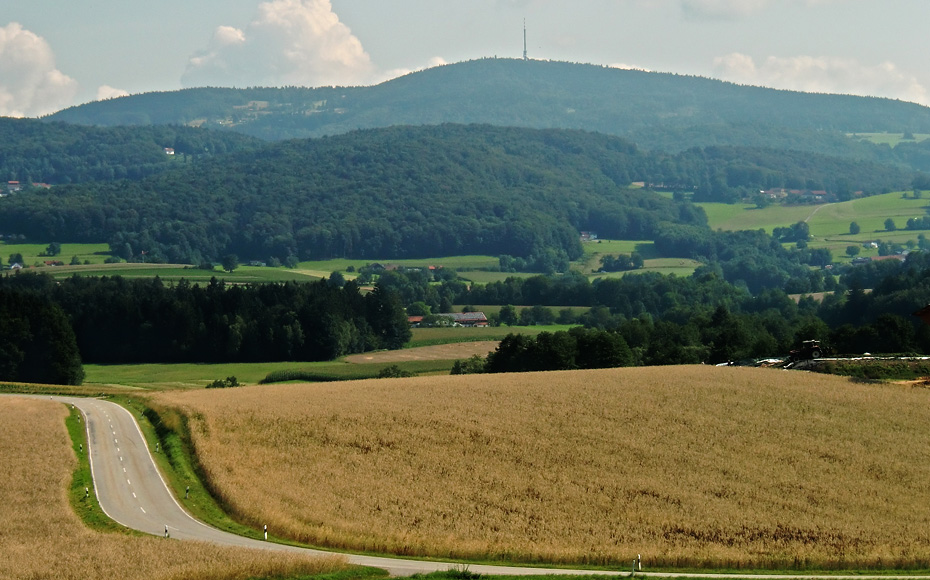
pixel 417 192
pixel 658 111
pixel 57 153
pixel 118 320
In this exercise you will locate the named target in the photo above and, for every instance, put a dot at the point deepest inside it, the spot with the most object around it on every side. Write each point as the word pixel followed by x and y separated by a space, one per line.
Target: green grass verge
pixel 166 430
pixel 353 573
pixel 81 493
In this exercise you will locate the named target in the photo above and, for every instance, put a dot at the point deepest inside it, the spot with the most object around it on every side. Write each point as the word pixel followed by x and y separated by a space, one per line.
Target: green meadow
pixel 892 139
pixel 190 376
pixel 175 272
pixel 92 253
pixel 825 220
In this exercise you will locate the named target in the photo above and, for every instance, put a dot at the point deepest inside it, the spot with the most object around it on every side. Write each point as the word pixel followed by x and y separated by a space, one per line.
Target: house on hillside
pixel 169 151
pixel 466 319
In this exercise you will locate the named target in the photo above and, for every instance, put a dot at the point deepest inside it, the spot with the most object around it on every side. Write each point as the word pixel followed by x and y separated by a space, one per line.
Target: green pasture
pixel 825 220
pixel 675 266
pixel 175 272
pixel 451 262
pixel 192 376
pixel 891 139
pixel 93 253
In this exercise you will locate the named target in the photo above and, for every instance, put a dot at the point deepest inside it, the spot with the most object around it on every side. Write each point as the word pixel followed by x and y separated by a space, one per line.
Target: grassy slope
pixel 697 466
pixel 829 223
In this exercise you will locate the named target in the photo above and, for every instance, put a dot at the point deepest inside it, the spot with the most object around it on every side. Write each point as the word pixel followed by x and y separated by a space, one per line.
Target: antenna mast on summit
pixel 524 40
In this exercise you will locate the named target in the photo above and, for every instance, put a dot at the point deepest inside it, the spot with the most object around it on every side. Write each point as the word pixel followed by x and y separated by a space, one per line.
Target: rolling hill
pixel 413 192
pixel 655 110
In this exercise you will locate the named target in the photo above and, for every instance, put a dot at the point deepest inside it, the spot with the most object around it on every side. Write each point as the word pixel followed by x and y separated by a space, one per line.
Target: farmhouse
pixel 469 319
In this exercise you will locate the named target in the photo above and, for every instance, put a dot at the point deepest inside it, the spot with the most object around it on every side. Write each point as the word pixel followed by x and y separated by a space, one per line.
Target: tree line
pixel 118 320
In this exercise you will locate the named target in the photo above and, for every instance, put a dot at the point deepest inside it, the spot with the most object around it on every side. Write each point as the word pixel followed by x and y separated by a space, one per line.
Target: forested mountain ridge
pixel 655 110
pixel 32 151
pixel 421 192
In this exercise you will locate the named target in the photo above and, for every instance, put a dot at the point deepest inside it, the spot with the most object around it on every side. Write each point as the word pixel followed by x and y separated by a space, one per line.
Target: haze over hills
pixel 655 110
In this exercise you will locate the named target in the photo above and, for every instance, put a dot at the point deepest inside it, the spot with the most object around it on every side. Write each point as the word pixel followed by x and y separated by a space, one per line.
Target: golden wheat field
pixel 42 538
pixel 688 466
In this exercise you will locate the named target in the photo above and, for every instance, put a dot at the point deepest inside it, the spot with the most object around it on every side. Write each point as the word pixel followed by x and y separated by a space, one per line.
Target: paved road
pixel 132 492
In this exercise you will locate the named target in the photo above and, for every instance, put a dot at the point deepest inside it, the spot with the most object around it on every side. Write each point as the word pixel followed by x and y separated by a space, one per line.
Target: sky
pixel 55 54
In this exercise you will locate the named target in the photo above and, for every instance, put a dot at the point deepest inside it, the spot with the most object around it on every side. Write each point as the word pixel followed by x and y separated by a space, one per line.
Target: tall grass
pixel 43 538
pixel 689 466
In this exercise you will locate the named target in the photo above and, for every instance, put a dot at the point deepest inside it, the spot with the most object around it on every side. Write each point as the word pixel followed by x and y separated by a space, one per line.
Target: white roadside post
pixel 266 532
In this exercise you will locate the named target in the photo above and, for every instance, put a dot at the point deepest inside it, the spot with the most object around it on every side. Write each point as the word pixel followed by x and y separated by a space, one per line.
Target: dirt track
pixel 459 350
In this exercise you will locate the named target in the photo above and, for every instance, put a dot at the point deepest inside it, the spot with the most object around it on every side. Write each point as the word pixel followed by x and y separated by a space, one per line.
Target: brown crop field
pixel 688 466
pixel 41 537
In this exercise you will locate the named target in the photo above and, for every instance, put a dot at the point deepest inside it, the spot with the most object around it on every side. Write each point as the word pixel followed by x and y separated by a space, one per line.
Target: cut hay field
pixel 688 466
pixel 43 538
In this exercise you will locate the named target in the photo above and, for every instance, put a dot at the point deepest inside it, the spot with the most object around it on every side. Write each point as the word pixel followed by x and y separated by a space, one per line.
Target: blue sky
pixel 55 54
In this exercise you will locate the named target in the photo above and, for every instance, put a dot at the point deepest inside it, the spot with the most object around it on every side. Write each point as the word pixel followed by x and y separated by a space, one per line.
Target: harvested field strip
pixel 43 538
pixel 454 351
pixel 689 466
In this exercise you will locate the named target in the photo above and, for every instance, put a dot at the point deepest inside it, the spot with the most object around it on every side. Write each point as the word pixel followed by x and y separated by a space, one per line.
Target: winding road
pixel 131 491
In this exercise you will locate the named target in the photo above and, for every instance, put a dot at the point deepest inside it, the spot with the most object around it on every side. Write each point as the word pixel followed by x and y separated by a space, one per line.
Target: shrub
pixel 394 372
pixel 224 383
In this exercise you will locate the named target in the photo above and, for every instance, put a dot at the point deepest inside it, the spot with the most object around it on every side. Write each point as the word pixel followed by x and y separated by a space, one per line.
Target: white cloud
pixel 105 92
pixel 290 42
pixel 624 66
pixel 399 72
pixel 30 83
pixel 823 75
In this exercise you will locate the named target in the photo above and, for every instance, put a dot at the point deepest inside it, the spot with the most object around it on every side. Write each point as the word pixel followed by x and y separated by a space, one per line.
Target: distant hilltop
pixel 656 110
